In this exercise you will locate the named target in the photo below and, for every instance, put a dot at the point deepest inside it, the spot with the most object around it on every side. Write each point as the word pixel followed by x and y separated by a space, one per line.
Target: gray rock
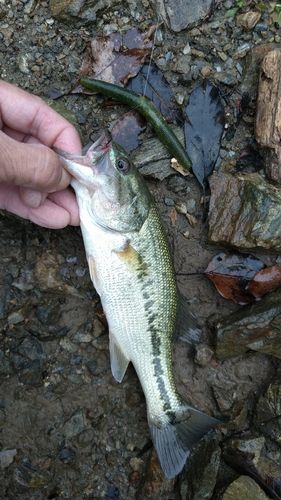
pixel 76 424
pixel 48 312
pixel 78 11
pixel 198 477
pixel 179 14
pixel 255 326
pixel 5 366
pixel 244 488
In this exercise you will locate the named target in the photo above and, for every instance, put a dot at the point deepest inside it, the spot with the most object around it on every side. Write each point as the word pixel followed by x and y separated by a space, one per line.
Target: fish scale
pixel 131 268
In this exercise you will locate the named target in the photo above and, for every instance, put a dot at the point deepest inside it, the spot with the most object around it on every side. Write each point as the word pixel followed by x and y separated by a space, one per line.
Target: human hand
pixel 33 181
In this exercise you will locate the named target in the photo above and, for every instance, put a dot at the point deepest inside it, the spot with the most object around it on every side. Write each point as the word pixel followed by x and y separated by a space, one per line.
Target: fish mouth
pixel 93 163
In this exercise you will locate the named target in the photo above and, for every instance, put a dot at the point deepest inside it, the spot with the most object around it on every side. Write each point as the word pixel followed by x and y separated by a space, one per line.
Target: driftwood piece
pixel 268 116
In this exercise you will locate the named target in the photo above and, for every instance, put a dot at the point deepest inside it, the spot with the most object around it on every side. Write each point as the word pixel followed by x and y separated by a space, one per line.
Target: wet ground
pixel 70 429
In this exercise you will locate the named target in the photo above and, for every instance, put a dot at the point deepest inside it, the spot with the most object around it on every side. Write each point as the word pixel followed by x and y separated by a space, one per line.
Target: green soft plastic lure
pixel 145 107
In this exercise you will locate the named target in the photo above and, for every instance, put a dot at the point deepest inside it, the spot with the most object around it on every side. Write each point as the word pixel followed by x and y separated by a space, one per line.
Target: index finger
pixel 28 114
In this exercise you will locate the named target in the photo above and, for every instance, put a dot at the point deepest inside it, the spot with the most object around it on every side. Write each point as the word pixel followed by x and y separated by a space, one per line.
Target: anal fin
pixel 118 360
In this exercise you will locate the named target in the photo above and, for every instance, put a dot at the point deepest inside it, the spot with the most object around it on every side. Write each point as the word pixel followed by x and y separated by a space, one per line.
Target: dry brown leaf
pixel 173 216
pixel 176 166
pixel 115 58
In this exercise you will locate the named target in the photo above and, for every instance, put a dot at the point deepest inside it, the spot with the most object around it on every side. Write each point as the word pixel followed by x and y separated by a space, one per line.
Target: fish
pixel 131 268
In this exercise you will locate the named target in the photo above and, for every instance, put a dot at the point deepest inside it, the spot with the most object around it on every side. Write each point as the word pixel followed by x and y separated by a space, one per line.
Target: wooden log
pixel 268 115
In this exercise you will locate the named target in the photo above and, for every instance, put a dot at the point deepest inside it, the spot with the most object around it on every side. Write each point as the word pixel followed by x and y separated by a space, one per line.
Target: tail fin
pixel 173 441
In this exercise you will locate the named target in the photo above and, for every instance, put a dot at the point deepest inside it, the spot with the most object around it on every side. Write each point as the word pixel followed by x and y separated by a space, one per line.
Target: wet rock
pixel 153 159
pixel 244 488
pixel 203 354
pixel 268 411
pixel 49 310
pixel 252 454
pixel 179 14
pixel 99 364
pixel 244 212
pixel 30 373
pixel 154 484
pixel 268 115
pixel 67 455
pixel 47 274
pixel 26 476
pixel 19 315
pixel 5 366
pixel 248 20
pixel 77 10
pixel 241 51
pixel 198 477
pixel 238 416
pixel 255 326
pixel 6 458
pixel 30 347
pixel 5 297
pixel 76 424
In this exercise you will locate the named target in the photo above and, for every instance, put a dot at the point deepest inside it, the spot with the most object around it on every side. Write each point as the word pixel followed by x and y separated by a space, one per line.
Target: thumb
pixel 32 166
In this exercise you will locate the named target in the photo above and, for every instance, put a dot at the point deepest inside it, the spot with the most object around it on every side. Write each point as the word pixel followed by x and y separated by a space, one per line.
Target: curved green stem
pixel 140 103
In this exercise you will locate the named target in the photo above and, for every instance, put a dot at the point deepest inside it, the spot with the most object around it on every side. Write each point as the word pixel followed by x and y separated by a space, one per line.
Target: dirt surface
pixel 76 432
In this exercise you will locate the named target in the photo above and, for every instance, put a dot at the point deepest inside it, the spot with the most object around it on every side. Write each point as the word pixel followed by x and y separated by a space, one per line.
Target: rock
pixel 244 212
pixel 49 310
pixel 252 453
pixel 153 159
pixel 77 10
pixel 241 51
pixel 19 315
pixel 6 458
pixel 178 14
pixel 203 354
pixel 76 424
pixel 48 276
pixel 248 20
pixel 268 410
pixel 244 488
pixel 30 373
pixel 5 366
pixel 255 326
pixel 252 67
pixel 30 347
pixel 268 115
pixel 199 475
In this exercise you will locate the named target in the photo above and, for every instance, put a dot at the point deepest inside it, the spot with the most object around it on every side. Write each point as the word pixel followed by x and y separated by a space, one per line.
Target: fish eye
pixel 122 164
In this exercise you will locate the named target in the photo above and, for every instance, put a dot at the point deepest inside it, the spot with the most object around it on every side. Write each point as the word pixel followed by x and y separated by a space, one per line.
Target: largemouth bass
pixel 131 268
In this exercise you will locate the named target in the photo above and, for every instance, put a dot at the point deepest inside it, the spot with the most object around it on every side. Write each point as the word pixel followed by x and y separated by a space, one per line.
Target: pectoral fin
pixel 132 259
pixel 93 272
pixel 188 328
pixel 118 360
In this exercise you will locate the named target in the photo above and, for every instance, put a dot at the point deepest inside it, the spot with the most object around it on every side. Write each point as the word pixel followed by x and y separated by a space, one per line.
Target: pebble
pixel 7 457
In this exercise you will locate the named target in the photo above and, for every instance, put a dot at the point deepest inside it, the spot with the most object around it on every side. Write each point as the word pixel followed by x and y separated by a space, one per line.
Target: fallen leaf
pixel 176 166
pixel 127 129
pixel 173 217
pixel 115 58
pixel 203 128
pixel 151 83
pixel 266 280
pixel 192 220
pixel 231 274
